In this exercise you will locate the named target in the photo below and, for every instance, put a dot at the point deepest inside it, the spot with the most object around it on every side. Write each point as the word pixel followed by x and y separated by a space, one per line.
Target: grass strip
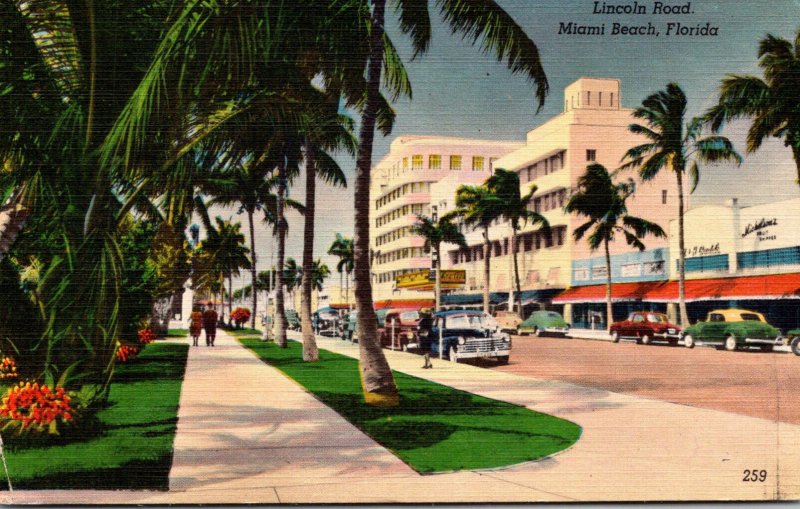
pixel 177 333
pixel 243 332
pixel 132 445
pixel 435 428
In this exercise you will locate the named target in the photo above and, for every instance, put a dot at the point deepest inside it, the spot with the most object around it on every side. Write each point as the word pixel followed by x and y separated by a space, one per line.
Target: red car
pixel 406 329
pixel 644 327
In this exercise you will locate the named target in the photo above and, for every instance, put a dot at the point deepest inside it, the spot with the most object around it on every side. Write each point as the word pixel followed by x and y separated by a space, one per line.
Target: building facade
pixel 593 128
pixel 402 186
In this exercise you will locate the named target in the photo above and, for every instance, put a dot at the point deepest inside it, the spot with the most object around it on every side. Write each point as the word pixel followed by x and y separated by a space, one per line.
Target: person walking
pixel 195 325
pixel 210 325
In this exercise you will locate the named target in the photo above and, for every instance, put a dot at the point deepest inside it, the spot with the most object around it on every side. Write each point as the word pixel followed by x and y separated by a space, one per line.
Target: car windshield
pixel 464 322
pixel 410 315
pixel 652 317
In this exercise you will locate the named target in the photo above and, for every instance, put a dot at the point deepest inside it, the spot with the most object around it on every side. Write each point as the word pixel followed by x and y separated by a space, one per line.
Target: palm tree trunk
pixel 516 269
pixel 609 306
pixel 487 267
pixel 310 352
pixel 280 309
pixel 684 316
pixel 253 272
pixel 376 376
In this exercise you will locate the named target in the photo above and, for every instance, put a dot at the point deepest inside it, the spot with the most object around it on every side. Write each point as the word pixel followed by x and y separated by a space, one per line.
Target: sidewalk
pixel 248 434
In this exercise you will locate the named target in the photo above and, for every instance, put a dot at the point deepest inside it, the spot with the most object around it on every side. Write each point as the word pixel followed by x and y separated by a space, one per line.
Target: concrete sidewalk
pixel 248 434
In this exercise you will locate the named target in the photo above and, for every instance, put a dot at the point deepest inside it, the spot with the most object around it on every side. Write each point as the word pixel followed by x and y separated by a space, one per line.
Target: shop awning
pixel 776 286
pixel 404 303
pixel 620 292
pixel 468 299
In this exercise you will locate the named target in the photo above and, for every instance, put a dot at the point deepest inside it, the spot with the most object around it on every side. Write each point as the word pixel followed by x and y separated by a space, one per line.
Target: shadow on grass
pixel 133 475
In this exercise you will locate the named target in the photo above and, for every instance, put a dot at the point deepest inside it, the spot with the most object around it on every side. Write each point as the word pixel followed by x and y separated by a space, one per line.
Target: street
pixel 745 382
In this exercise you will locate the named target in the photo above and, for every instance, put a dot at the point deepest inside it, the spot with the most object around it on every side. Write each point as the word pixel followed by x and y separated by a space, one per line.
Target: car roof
pixel 450 312
pixel 734 311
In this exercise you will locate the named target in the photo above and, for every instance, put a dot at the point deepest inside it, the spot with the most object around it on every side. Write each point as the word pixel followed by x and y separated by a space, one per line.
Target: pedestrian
pixel 195 324
pixel 210 325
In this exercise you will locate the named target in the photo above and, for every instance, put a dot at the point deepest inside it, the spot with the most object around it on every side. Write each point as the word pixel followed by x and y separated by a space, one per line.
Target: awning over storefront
pixel 404 303
pixel 468 299
pixel 620 292
pixel 776 286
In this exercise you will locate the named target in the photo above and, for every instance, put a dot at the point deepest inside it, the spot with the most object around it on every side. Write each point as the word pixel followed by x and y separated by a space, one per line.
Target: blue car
pixel 464 334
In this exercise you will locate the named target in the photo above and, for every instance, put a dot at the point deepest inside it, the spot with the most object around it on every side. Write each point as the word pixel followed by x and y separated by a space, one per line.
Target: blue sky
pixel 459 91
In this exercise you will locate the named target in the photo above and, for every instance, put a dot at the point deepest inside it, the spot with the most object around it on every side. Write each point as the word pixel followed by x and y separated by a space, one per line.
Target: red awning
pixel 776 286
pixel 620 292
pixel 404 303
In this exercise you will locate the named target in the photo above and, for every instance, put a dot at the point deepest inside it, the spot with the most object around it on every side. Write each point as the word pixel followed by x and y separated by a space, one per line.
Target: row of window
pixel 411 187
pixel 769 258
pixel 549 201
pixel 400 254
pixel 542 167
pixel 599 100
pixel 636 269
pixel 416 208
pixel 393 235
pixel 455 163
pixel 526 242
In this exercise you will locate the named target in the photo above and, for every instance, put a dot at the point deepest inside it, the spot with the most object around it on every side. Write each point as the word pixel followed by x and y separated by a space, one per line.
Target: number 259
pixel 755 476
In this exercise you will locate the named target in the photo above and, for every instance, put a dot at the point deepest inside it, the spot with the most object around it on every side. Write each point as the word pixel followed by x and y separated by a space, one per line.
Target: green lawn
pixel 133 449
pixel 244 332
pixel 436 428
pixel 178 333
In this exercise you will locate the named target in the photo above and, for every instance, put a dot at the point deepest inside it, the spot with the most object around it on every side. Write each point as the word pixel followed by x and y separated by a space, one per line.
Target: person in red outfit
pixel 210 325
pixel 195 325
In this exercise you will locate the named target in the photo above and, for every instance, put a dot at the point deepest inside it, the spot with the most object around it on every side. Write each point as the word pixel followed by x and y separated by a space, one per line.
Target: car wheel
pixel 730 343
pixel 688 341
pixel 503 359
pixel 645 339
pixel 795 344
pixel 537 332
pixel 615 337
pixel 452 354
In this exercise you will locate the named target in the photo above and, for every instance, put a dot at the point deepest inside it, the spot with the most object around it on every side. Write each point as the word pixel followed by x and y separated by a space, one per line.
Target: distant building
pixel 593 128
pixel 401 191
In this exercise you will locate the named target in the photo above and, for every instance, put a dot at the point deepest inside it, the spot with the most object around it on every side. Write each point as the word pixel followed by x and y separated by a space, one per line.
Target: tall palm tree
pixel 325 130
pixel 602 202
pixel 319 273
pixel 515 208
pixel 773 102
pixel 498 33
pixel 478 207
pixel 342 247
pixel 434 233
pixel 677 146
pixel 292 276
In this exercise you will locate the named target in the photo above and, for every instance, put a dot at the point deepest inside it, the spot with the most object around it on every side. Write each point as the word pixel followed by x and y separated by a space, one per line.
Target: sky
pixel 460 91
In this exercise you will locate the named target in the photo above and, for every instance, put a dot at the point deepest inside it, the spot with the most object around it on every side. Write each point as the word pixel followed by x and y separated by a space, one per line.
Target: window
pixel 434 162
pixel 663 197
pixel 405 163
pixel 477 163
pixel 600 98
pixel 588 98
pixel 612 99
pixel 455 163
pixel 416 162
pixel 591 154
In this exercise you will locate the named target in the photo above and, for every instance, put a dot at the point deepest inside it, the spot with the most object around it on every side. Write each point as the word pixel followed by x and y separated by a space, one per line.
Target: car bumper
pixel 556 330
pixel 484 354
pixel 765 341
pixel 667 336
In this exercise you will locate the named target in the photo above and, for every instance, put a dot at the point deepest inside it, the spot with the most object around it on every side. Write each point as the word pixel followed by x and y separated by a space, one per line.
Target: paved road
pixel 746 382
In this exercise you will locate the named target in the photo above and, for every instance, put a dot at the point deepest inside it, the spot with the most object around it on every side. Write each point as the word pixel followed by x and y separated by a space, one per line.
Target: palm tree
pixel 292 276
pixel 504 186
pixel 434 233
pixel 602 202
pixel 773 103
pixel 326 130
pixel 342 247
pixel 482 19
pixel 319 273
pixel 478 207
pixel 679 147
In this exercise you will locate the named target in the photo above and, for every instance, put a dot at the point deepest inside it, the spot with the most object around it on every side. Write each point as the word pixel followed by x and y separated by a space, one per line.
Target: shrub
pixel 146 336
pixel 125 352
pixel 240 316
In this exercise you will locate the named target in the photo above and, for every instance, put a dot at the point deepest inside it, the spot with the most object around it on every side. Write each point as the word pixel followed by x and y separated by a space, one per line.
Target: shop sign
pixel 631 270
pixel 705 250
pixel 759 228
pixel 599 271
pixel 581 274
pixel 423 279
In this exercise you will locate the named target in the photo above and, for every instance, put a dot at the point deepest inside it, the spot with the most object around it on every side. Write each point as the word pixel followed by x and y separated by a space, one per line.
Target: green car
pixel 794 340
pixel 733 329
pixel 544 322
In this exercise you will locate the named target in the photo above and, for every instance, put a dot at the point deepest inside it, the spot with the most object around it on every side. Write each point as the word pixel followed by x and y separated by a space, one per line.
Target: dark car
pixel 325 321
pixel 645 327
pixel 400 329
pixel 464 334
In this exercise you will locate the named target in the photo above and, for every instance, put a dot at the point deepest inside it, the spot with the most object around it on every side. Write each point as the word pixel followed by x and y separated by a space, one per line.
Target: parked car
pixel 544 322
pixel 325 321
pixel 644 327
pixel 292 319
pixel 508 321
pixel 733 329
pixel 794 340
pixel 406 327
pixel 465 334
